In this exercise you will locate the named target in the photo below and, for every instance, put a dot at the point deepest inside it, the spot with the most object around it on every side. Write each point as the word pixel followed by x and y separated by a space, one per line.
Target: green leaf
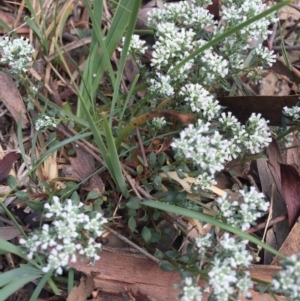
pixel 133 203
pixel 158 254
pixel 22 195
pixel 167 266
pixel 132 224
pixel 146 234
pixel 35 205
pixel 92 195
pixel 152 159
pixel 11 181
pixel 157 182
pixel 172 253
pixel 75 198
pixel 155 237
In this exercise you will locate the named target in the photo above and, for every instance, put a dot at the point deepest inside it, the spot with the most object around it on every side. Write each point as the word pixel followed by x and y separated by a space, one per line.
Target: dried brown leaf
pixel 81 292
pixel 12 99
pixel 84 165
pixel 9 232
pixel 6 164
pixel 290 182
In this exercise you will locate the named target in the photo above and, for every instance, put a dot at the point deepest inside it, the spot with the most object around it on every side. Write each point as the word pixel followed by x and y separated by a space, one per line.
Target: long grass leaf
pixel 129 32
pixel 11 275
pixel 13 286
pixel 115 162
pixel 40 286
pixel 208 219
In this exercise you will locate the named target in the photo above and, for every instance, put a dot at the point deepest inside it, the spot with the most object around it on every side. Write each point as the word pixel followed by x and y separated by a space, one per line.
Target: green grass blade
pixel 10 248
pixel 114 159
pixel 208 219
pixel 11 275
pixel 117 28
pixel 129 32
pixel 40 286
pixel 18 283
pixel 228 33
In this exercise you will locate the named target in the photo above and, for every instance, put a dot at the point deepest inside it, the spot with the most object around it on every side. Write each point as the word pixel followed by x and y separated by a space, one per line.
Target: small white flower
pixel 293 112
pixel 16 53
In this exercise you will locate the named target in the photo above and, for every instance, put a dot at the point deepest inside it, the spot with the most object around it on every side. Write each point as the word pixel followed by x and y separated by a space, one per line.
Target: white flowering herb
pixel 17 53
pixel 287 281
pixel 64 239
pixel 293 113
pixel 158 122
pixel 190 290
pixel 243 212
pixel 45 122
pixel 136 46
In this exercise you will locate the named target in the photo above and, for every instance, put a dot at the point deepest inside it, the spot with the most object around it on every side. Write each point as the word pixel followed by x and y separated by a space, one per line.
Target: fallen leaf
pixel 12 99
pixel 9 232
pixel 291 245
pixel 274 84
pixel 290 182
pixel 81 292
pixel 6 164
pixel 84 165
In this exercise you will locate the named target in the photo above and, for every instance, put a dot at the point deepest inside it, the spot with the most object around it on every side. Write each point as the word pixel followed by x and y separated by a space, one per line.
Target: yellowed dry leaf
pixel 187 182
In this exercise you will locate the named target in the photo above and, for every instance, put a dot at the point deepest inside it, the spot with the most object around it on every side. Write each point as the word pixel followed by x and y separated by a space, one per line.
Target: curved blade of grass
pixel 113 158
pixel 228 33
pixel 117 28
pixel 113 167
pixel 129 32
pixel 208 219
pixel 10 248
pixel 11 275
pixel 40 286
pixel 13 286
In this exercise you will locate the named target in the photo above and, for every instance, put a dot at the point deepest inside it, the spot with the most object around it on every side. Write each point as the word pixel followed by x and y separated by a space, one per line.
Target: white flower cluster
pixel 200 101
pixel 173 45
pixel 245 211
pixel 158 122
pixel 161 85
pixel 258 134
pixel 16 53
pixel 136 45
pixel 287 281
pixel 293 112
pixel 208 151
pixel 45 122
pixel 190 291
pixel 226 277
pixel 235 12
pixel 61 242
pixel 189 15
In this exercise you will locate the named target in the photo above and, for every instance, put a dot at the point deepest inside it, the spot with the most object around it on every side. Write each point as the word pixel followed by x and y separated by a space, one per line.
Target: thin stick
pixel 132 244
pixel 141 147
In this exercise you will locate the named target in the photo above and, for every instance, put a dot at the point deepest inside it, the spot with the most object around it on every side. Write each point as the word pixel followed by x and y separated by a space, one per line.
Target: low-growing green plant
pixel 194 58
